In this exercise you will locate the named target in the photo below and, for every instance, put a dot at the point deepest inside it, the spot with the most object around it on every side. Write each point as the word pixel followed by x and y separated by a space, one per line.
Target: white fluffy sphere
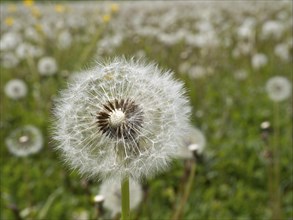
pixel 121 119
pixel 15 89
pixel 278 88
pixel 47 66
pixel 25 141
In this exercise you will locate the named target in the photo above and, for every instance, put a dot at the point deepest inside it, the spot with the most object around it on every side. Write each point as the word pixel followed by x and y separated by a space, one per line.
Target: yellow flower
pixel 106 18
pixel 12 8
pixel 28 3
pixel 59 8
pixel 114 7
pixel 39 28
pixel 9 21
pixel 36 12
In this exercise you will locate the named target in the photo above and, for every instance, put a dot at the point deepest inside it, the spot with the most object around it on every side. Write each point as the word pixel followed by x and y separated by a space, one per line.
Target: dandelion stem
pixel 125 214
pixel 187 191
pixel 276 209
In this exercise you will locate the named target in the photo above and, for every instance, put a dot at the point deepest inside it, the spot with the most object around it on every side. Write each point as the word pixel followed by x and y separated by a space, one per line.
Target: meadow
pixel 224 52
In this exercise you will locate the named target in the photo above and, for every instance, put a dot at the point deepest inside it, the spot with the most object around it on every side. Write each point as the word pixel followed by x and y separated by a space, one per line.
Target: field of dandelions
pixel 235 60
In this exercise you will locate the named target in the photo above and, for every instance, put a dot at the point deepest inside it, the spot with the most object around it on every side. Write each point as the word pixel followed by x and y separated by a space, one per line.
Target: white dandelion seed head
pixel 47 66
pixel 283 51
pixel 194 141
pixel 246 30
pixel 9 41
pixel 64 40
pixel 196 72
pixel 241 74
pixel 272 29
pixel 122 118
pixel 15 89
pixel 278 88
pixel 25 50
pixel 25 141
pixel 9 60
pixel 80 215
pixel 111 191
pixel 32 34
pixel 259 60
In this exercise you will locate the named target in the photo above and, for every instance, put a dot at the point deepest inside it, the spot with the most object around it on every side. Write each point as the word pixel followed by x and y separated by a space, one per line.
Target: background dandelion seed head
pixel 278 88
pixel 25 141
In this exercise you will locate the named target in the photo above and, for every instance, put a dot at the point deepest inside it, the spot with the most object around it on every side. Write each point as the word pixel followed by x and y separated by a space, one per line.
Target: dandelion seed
pixel 111 191
pixel 278 88
pixel 121 119
pixel 15 89
pixel 25 141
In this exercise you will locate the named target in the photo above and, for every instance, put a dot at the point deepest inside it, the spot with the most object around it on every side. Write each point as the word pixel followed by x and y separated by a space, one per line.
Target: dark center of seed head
pixel 120 119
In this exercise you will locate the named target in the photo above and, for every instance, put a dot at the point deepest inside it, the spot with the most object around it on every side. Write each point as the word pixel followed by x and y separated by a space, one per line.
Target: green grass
pixel 230 183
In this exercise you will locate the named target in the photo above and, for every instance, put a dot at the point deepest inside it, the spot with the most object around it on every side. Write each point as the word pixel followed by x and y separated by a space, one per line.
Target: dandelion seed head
pixel 195 141
pixel 80 215
pixel 9 41
pixel 282 51
pixel 265 125
pixel 25 141
pixel 272 29
pixel 278 88
pixel 15 89
pixel 111 193
pixel 47 66
pixel 121 118
pixel 259 60
pixel 9 60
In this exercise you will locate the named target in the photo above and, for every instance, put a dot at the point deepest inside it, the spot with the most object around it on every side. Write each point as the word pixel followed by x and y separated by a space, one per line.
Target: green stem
pixel 187 191
pixel 276 209
pixel 125 214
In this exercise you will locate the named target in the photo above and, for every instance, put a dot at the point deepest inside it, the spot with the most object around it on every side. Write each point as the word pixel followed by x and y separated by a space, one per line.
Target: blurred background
pixel 235 59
